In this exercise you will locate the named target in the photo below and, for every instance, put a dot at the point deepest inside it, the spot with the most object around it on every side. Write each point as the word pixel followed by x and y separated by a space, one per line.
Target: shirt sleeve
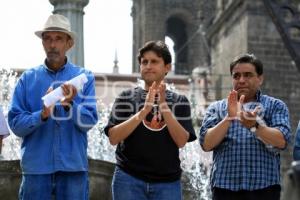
pixel 85 113
pixel 121 110
pixel 21 121
pixel 280 120
pixel 183 115
pixel 211 118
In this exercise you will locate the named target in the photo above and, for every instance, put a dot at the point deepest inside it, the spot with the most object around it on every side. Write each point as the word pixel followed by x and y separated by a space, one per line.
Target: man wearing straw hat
pixel 54 138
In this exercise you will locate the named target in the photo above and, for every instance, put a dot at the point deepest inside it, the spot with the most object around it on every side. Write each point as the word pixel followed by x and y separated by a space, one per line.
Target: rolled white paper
pixel 57 94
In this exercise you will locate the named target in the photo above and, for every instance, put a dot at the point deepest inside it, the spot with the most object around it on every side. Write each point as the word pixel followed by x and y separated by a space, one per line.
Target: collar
pixel 258 95
pixel 60 69
pixel 145 92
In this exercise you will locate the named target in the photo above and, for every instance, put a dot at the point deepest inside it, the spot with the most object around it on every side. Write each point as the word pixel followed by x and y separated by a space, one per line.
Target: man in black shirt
pixel 149 125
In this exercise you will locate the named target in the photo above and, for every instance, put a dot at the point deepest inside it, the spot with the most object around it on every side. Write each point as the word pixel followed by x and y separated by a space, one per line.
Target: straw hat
pixel 57 22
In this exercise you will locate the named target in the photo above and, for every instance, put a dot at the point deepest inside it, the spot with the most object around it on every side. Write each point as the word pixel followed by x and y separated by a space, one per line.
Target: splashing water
pixel 195 163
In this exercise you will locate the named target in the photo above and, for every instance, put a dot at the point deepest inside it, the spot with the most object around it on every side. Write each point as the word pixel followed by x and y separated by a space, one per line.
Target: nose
pixel 148 65
pixel 242 79
pixel 52 43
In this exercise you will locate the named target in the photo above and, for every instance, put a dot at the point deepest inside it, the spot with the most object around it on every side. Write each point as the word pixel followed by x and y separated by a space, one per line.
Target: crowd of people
pixel 245 131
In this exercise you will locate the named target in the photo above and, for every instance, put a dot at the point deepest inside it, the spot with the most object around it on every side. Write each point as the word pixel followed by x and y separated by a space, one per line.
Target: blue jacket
pixel 60 142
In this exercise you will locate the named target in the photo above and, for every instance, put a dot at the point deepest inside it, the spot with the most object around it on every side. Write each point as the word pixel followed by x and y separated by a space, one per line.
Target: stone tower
pixel 73 10
pixel 184 21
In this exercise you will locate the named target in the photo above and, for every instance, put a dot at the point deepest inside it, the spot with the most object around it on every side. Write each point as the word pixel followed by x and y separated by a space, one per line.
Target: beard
pixel 53 55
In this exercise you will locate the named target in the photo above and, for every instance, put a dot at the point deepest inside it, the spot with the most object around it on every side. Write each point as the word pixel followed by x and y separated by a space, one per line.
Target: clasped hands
pixel 156 94
pixel 235 110
pixel 69 92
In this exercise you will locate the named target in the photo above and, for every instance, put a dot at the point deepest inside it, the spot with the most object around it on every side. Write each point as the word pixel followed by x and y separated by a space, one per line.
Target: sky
pixel 107 29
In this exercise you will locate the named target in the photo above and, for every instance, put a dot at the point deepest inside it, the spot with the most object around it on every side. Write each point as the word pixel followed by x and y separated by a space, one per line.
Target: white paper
pixel 57 94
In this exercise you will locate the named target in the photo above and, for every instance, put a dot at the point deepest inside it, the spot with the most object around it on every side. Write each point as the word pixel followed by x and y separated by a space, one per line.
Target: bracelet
pixel 254 128
pixel 230 118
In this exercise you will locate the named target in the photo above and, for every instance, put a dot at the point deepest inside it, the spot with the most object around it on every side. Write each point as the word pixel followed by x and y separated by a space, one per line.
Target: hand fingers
pixel 68 90
pixel 232 97
pixel 240 103
pixel 154 85
pixel 247 116
pixel 150 98
pixel 161 88
pixel 162 83
pixel 64 87
pixel 242 99
pixel 73 90
pixel 151 94
pixel 49 89
pixel 46 111
pixel 162 92
pixel 256 110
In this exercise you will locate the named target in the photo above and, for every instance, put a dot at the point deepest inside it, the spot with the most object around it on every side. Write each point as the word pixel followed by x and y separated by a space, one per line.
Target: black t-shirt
pixel 149 152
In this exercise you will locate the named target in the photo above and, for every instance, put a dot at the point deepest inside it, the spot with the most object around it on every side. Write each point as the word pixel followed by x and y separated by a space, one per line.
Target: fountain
pixel 291 184
pixel 195 162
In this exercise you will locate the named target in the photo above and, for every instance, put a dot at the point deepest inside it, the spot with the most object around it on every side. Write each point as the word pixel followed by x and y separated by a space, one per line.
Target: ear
pixel 167 68
pixel 70 43
pixel 261 79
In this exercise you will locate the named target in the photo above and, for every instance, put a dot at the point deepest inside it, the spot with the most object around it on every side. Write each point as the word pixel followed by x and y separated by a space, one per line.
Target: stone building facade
pixel 181 20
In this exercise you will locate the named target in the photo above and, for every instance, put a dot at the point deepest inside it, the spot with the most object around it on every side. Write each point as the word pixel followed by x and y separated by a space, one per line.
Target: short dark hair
pixel 248 58
pixel 159 47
